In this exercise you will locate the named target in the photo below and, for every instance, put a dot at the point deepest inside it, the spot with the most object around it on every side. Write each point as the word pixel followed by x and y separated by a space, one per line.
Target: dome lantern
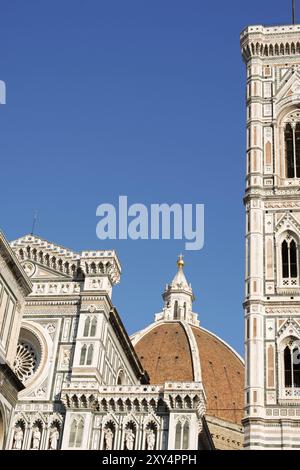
pixel 178 298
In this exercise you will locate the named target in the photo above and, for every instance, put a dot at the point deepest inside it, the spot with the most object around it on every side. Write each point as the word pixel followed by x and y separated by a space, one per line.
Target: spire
pixel 179 280
pixel 293 12
pixel 178 298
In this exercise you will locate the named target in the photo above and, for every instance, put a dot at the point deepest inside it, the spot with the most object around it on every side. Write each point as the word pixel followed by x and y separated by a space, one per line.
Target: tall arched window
pixel 90 326
pixel 291 367
pixel 121 378
pixel 186 436
pixel 292 150
pixel 83 355
pixel 178 436
pixel 297 148
pixel 93 327
pixel 76 432
pixel 289 258
pixel 287 367
pixel 182 435
pixel 87 327
pixel 90 355
pixel 176 313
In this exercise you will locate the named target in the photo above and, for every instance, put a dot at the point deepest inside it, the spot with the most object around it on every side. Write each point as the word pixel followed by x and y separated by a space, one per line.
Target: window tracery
pixel 292 145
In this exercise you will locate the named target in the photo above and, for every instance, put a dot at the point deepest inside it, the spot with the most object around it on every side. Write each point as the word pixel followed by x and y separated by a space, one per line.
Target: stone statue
pixel 18 438
pixel 108 438
pixel 66 358
pixel 36 438
pixel 129 439
pixel 150 439
pixel 54 436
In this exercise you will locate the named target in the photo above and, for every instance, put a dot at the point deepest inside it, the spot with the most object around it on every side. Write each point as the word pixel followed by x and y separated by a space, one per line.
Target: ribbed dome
pixel 167 353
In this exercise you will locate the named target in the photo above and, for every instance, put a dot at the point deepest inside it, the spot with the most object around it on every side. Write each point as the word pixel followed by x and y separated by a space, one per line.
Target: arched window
pixel 178 436
pixel 93 327
pixel 90 326
pixel 291 366
pixel 182 435
pixel 296 366
pixel 176 313
pixel 121 378
pixel 289 258
pixel 297 148
pixel 87 323
pixel 289 151
pixel 83 355
pixel 90 355
pixel 186 436
pixel 76 432
pixel 292 150
pixel 184 309
pixel 287 367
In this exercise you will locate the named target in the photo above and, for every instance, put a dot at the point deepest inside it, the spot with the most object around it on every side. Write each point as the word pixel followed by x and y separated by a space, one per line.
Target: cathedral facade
pixel 84 384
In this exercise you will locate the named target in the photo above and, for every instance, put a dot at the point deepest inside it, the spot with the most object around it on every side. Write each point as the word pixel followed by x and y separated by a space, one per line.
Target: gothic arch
pixel 287 255
pixel 130 421
pixel 151 435
pixel 182 432
pixel 130 428
pixel 121 377
pixel 289 366
pixel 110 427
pixel 287 112
pixel 109 419
pixel 76 431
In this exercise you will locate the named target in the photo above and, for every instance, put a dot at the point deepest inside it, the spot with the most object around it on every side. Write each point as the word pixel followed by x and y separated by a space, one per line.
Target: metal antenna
pixel 34 221
pixel 293 11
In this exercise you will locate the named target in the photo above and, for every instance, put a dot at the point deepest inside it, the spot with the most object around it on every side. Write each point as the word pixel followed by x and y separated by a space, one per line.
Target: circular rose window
pixel 28 356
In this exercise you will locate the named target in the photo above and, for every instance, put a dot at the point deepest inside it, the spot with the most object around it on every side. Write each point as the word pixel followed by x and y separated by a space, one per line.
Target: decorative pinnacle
pixel 180 262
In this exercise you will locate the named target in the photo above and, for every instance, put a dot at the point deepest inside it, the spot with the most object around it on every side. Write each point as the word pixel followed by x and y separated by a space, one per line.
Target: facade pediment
pixel 290 85
pixel 287 222
pixel 35 271
pixel 42 259
pixel 289 328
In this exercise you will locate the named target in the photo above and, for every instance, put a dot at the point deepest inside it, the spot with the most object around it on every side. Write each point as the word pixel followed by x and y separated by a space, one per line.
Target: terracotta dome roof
pixel 165 352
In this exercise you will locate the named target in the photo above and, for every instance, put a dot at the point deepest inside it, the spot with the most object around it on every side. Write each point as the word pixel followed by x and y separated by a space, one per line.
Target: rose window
pixel 26 361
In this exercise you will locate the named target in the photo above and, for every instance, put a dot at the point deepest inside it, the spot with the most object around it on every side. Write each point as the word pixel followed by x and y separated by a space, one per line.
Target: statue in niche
pixel 40 289
pixel 66 358
pixel 129 439
pixel 52 288
pixel 54 436
pixel 18 438
pixel 96 284
pixel 108 439
pixel 36 438
pixel 150 439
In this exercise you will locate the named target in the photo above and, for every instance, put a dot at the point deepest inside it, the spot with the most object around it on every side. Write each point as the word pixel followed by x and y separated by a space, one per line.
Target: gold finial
pixel 180 262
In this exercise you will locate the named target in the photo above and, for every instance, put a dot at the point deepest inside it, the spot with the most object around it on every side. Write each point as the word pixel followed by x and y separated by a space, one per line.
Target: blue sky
pixel 141 98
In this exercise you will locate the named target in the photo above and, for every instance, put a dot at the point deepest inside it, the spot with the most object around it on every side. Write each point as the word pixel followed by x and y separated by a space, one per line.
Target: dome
pixel 180 352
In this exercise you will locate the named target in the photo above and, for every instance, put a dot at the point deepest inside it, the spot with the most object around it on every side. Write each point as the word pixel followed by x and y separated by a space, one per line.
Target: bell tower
pixel 272 202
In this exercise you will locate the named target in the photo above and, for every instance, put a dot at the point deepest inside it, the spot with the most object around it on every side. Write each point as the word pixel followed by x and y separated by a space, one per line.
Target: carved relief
pixel 65 357
pixel 29 268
